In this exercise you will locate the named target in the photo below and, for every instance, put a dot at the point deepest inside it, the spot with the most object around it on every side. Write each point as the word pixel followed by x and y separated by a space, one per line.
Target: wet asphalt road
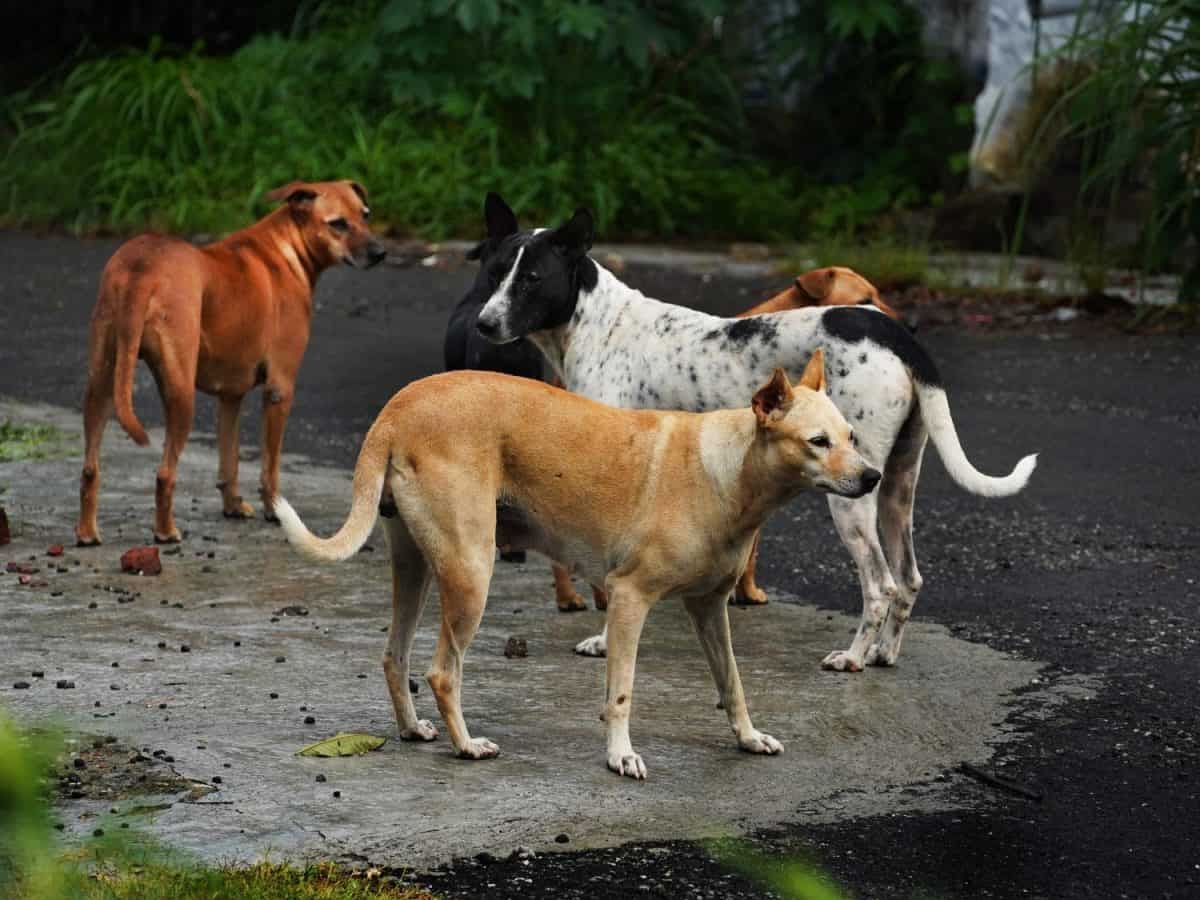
pixel 1093 570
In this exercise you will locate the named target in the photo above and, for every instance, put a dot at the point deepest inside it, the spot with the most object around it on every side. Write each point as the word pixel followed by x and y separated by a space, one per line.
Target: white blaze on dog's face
pixel 809 435
pixel 534 276
pixel 334 217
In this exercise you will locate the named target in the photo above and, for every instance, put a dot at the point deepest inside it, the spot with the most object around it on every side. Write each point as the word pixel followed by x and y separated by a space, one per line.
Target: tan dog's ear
pixel 814 373
pixel 816 284
pixel 773 400
pixel 296 194
pixel 360 190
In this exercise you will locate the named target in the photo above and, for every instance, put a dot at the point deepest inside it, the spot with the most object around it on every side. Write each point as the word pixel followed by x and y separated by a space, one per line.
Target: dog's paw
pixel 758 742
pixel 628 764
pixel 172 537
pixel 240 510
pixel 425 731
pixel 749 595
pixel 479 748
pixel 597 645
pixel 842 661
pixel 87 540
pixel 573 603
pixel 882 654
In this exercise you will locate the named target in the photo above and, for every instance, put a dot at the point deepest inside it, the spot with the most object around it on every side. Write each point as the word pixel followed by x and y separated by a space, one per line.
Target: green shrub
pixel 632 108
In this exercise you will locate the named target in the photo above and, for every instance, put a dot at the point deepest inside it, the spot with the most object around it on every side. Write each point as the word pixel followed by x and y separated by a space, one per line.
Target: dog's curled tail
pixel 129 342
pixel 369 474
pixel 935 410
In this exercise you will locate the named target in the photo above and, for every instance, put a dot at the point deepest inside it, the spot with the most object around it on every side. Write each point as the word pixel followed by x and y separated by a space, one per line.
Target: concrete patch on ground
pixel 241 653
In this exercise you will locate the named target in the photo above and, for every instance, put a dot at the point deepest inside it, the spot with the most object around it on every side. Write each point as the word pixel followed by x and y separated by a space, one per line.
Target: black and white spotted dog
pixel 609 342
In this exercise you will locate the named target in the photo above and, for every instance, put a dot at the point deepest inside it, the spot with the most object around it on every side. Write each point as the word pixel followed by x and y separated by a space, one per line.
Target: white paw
pixel 425 731
pixel 872 654
pixel 842 661
pixel 596 645
pixel 479 748
pixel 628 764
pixel 758 742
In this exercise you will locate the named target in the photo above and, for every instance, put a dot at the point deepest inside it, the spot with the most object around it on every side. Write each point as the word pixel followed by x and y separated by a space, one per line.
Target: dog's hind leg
pixel 897 496
pixel 97 407
pixel 175 371
pixel 856 523
pixel 411 579
pixel 228 439
pixel 463 583
pixel 627 609
pixel 710 615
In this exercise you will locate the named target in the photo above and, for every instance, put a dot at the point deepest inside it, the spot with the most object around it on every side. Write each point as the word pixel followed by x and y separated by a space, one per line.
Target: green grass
pixel 18 441
pixel 36 863
pixel 885 262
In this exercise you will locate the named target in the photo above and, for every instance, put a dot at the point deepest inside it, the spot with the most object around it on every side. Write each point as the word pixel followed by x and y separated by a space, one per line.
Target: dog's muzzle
pixel 376 253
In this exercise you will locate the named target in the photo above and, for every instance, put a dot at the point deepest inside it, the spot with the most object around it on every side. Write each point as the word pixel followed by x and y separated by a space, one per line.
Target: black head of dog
pixel 533 277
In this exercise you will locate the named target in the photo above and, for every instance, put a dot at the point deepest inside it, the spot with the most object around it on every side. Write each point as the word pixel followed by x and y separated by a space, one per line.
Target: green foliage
pixel 1130 112
pixel 35 865
pixel 789 879
pixel 886 262
pixel 19 441
pixel 634 109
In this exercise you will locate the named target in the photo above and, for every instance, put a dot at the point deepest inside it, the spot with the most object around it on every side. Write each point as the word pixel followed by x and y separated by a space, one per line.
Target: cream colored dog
pixel 666 506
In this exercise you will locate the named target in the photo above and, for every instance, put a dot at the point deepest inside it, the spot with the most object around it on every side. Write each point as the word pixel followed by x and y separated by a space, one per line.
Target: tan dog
pixel 673 514
pixel 221 319
pixel 831 286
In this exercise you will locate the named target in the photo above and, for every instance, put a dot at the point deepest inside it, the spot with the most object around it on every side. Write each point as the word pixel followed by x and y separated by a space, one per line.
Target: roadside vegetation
pixel 19 441
pixel 658 116
pixel 38 863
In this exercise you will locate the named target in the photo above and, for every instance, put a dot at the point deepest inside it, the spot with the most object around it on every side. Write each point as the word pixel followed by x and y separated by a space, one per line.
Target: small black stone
pixel 309 720
pixel 184 648
pixel 20 685
pixel 337 795
pixel 280 659
pixel 64 684
pixel 38 673
pixel 273 695
pixel 413 686
pixel 80 762
pixel 320 779
pixel 561 839
pixel 216 779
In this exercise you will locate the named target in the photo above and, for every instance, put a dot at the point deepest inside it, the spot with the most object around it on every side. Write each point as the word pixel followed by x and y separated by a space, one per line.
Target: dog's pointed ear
pixel 574 237
pixel 501 220
pixel 773 400
pixel 814 373
pixel 358 189
pixel 297 194
pixel 817 284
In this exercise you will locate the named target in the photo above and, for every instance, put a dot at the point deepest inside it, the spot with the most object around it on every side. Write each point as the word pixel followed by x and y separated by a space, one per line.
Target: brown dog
pixel 672 515
pixel 221 319
pixel 831 286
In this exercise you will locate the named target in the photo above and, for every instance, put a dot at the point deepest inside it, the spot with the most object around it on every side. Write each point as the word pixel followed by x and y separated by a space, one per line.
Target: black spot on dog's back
pixel 852 325
pixel 740 332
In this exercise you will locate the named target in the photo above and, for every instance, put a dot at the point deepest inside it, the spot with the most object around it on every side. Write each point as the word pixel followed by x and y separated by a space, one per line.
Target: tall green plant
pixel 1132 111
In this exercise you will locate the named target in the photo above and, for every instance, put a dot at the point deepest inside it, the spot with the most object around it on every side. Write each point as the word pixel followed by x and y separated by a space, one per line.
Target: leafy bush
pixel 1129 113
pixel 632 108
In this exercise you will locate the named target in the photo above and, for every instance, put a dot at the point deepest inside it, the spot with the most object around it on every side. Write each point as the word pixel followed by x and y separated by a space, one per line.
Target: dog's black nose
pixel 487 327
pixel 375 253
pixel 870 478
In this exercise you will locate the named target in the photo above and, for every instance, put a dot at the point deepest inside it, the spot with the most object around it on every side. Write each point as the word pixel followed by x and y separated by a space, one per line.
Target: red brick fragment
pixel 5 534
pixel 54 550
pixel 143 560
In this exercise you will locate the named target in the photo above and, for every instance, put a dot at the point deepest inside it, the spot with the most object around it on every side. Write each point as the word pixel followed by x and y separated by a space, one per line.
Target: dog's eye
pixel 819 441
pixel 366 214
pixel 339 224
pixel 530 277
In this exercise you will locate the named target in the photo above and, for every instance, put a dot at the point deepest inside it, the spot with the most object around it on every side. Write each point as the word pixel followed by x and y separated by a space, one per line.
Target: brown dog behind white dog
pixel 666 506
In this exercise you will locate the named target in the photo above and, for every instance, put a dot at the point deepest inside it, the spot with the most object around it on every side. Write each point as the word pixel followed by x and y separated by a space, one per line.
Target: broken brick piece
pixel 143 560
pixel 5 534
pixel 54 550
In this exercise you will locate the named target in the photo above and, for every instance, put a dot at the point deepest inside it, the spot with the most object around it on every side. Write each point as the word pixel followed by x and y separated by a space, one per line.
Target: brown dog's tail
pixel 129 342
pixel 369 474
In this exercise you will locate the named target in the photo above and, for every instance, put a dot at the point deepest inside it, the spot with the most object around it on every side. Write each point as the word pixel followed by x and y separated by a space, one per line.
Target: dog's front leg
pixel 710 615
pixel 228 439
pixel 627 610
pixel 277 405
